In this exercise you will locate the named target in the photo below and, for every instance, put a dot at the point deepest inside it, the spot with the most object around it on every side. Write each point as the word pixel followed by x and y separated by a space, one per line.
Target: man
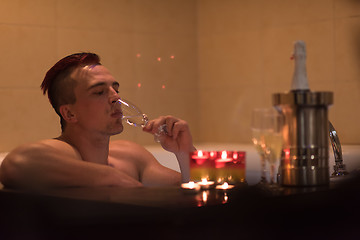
pixel 84 94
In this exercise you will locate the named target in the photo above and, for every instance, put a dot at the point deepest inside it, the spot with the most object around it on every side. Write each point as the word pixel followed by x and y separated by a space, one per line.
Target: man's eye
pixel 99 93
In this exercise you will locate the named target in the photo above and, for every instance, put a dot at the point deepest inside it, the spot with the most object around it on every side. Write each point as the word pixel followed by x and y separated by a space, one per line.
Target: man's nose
pixel 114 97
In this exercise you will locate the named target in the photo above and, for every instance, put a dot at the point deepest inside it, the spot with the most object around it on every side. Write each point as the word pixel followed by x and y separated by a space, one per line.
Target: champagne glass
pixel 273 140
pixel 257 129
pixel 133 116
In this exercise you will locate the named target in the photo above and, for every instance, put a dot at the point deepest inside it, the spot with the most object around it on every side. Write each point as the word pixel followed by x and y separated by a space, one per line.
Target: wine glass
pixel 133 116
pixel 273 139
pixel 257 129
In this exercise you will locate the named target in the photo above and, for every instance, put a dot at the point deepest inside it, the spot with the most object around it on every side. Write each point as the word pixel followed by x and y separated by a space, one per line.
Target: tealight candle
pixel 205 184
pixel 190 185
pixel 224 186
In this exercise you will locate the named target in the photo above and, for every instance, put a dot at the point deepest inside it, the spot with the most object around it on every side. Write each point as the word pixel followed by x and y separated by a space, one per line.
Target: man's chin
pixel 117 128
pixel 118 131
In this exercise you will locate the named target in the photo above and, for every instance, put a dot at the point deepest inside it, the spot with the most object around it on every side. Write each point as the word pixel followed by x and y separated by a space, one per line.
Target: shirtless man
pixel 84 94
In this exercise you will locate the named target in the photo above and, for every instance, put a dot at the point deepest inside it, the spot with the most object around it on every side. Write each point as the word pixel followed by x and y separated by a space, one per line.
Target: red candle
pixel 231 167
pixel 200 157
pixel 201 166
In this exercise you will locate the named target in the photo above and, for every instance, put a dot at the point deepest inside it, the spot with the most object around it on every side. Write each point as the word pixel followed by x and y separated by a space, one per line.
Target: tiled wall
pixel 244 57
pixel 229 56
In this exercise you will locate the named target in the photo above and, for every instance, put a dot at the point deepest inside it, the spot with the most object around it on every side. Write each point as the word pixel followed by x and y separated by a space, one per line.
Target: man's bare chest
pixel 125 165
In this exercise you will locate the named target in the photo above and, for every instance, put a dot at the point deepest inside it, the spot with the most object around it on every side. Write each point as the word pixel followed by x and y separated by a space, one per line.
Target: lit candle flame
pixel 223 155
pixel 200 153
pixel 204 181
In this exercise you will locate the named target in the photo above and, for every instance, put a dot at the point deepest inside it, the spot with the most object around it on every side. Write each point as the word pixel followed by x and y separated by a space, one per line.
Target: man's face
pixel 96 94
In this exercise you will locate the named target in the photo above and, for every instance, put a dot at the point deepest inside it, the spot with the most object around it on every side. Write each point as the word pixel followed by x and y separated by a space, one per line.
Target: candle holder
pixel 202 165
pixel 230 167
pixel 217 166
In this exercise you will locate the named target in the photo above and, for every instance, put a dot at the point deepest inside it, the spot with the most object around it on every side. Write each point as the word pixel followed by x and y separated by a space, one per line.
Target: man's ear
pixel 67 113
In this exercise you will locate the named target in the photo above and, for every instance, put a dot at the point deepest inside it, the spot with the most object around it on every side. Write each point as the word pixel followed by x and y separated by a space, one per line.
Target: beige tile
pixel 347 49
pixel 234 16
pixel 283 13
pixel 115 53
pixel 226 113
pixel 148 70
pixel 95 15
pixel 159 101
pixel 26 117
pixel 162 16
pixel 35 12
pixel 165 60
pixel 232 60
pixel 26 54
pixel 228 16
pixel 346 8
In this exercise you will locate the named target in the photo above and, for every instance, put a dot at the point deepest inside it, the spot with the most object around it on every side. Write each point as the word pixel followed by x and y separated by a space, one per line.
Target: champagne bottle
pixel 299 81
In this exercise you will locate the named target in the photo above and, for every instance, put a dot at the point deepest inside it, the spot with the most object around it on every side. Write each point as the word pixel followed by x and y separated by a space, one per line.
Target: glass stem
pixel 263 169
pixel 161 131
pixel 272 173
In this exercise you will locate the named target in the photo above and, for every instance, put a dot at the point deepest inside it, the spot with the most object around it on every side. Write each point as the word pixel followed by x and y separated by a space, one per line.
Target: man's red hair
pixel 57 82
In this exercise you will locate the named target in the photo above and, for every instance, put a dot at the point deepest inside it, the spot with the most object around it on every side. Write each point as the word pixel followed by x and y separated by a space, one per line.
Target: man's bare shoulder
pixel 45 146
pixel 130 150
pixel 126 147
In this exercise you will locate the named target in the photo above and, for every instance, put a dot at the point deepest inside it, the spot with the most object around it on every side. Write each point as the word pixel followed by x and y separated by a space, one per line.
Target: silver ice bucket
pixel 305 152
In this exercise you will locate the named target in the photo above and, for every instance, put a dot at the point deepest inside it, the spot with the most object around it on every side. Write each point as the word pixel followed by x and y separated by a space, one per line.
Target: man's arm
pixel 177 140
pixel 52 163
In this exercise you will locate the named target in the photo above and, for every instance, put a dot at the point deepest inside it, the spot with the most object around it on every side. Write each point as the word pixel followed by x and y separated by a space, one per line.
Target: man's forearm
pixel 184 164
pixel 36 173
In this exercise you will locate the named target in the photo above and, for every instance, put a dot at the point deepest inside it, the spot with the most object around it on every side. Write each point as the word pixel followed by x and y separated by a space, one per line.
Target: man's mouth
pixel 117 114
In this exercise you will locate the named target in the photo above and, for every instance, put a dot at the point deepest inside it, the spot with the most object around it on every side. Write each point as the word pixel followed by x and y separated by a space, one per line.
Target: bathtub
pixel 351 157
